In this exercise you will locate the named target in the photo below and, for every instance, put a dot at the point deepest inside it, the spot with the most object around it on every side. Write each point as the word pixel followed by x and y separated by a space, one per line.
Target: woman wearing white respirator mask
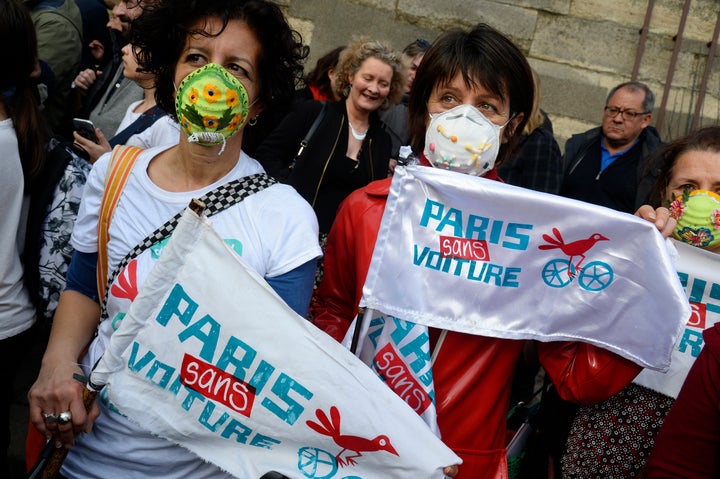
pixel 470 99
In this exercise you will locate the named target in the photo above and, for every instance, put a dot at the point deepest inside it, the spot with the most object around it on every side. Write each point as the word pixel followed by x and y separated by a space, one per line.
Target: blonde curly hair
pixel 352 57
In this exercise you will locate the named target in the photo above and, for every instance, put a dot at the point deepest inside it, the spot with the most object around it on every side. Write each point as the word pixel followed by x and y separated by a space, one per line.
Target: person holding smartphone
pixel 138 117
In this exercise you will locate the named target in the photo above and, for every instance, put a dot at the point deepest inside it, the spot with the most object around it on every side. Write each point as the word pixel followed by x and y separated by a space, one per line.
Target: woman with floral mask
pixel 217 64
pixel 471 97
pixel 675 418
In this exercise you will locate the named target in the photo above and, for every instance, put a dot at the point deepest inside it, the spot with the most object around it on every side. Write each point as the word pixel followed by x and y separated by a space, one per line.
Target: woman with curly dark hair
pixel 217 64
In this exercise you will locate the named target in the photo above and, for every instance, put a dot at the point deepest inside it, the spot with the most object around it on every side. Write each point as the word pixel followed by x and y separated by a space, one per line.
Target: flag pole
pixel 52 458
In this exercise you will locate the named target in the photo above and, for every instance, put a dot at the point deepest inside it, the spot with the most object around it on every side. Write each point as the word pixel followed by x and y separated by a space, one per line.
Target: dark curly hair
pixel 318 76
pixel 160 33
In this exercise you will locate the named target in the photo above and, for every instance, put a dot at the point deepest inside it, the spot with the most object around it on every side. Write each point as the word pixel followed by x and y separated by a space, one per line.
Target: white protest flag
pixel 209 357
pixel 477 256
pixel 399 353
pixel 699 272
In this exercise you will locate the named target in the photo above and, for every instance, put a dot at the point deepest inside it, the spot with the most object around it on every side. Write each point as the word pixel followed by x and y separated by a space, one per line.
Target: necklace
pixel 357 135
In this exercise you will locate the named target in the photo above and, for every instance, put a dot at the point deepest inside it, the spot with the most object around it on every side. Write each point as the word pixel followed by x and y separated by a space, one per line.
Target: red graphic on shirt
pixel 218 385
pixel 350 444
pixel 126 286
pixel 572 249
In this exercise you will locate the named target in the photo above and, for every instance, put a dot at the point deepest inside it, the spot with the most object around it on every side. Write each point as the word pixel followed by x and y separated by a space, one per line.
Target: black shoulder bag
pixel 308 136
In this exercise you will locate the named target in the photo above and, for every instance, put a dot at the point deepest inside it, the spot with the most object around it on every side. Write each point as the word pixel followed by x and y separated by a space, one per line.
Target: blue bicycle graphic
pixel 595 276
pixel 559 272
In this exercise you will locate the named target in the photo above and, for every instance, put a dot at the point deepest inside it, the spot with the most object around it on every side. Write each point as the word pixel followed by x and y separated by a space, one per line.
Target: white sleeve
pixel 289 230
pixel 165 131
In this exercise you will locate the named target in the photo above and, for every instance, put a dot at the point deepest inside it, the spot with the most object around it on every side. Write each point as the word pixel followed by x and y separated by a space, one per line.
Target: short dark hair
pixel 159 35
pixel 318 76
pixel 635 86
pixel 483 56
pixel 704 139
pixel 416 47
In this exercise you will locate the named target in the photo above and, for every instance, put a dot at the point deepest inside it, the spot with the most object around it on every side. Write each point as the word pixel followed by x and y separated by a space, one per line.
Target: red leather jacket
pixel 472 374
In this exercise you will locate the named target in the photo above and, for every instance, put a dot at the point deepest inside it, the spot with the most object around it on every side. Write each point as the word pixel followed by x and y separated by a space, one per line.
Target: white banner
pixel 699 272
pixel 209 357
pixel 399 353
pixel 481 257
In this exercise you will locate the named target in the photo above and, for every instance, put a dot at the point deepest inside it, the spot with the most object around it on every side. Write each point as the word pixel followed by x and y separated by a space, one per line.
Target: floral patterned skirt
pixel 613 439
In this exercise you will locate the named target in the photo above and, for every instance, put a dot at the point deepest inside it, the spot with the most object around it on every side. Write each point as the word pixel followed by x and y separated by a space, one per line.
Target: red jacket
pixel 688 444
pixel 472 374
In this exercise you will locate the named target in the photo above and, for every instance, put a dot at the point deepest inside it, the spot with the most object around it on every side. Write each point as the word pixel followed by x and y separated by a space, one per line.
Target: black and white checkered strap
pixel 215 201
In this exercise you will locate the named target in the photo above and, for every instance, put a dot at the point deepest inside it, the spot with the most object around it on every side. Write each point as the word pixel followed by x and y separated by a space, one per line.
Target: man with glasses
pixel 606 165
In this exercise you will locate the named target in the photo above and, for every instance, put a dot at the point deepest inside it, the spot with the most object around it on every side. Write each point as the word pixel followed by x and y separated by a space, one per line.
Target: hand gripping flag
pixel 235 376
pixel 477 256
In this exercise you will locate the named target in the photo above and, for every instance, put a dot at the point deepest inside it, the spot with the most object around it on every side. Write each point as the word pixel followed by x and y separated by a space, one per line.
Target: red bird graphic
pixel 576 248
pixel 331 427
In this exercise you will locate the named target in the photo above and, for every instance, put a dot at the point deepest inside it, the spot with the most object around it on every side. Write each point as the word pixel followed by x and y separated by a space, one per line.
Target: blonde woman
pixel 349 148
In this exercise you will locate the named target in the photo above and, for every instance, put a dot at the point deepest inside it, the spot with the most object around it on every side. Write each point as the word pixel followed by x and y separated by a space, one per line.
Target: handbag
pixel 308 136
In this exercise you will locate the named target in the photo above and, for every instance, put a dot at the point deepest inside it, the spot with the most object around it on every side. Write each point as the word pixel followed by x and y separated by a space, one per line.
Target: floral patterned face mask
pixel 698 218
pixel 211 104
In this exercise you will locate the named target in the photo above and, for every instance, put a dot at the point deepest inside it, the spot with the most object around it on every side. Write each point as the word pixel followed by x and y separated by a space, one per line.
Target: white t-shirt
pixel 165 131
pixel 274 231
pixel 130 116
pixel 16 312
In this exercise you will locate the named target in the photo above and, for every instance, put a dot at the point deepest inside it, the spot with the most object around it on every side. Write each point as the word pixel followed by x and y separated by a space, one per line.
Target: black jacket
pixel 328 144
pixel 624 185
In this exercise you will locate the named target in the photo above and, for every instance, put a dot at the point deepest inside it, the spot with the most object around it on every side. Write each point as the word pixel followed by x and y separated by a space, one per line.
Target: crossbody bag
pixel 308 136
pixel 215 201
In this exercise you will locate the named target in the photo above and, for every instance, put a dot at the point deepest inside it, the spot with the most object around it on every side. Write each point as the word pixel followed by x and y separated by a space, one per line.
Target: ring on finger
pixel 64 417
pixel 50 418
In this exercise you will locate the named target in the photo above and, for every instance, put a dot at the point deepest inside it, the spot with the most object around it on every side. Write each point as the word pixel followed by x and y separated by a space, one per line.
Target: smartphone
pixel 86 129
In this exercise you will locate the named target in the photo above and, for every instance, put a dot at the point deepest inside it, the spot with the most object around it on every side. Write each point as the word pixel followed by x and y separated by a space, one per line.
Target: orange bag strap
pixel 121 164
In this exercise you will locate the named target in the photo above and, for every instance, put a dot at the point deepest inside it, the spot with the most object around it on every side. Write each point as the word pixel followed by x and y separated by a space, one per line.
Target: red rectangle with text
pixel 217 385
pixel 464 248
pixel 391 369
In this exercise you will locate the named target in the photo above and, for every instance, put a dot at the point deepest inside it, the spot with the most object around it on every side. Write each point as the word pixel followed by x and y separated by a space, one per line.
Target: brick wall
pixel 580 48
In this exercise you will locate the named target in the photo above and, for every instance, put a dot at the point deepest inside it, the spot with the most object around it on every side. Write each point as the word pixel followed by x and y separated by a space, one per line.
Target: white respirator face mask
pixel 462 139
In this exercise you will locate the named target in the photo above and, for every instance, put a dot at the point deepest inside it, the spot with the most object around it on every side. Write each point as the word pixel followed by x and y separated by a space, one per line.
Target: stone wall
pixel 580 48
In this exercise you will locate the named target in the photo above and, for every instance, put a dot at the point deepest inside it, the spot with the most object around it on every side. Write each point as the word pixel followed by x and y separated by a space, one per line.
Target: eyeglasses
pixel 629 115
